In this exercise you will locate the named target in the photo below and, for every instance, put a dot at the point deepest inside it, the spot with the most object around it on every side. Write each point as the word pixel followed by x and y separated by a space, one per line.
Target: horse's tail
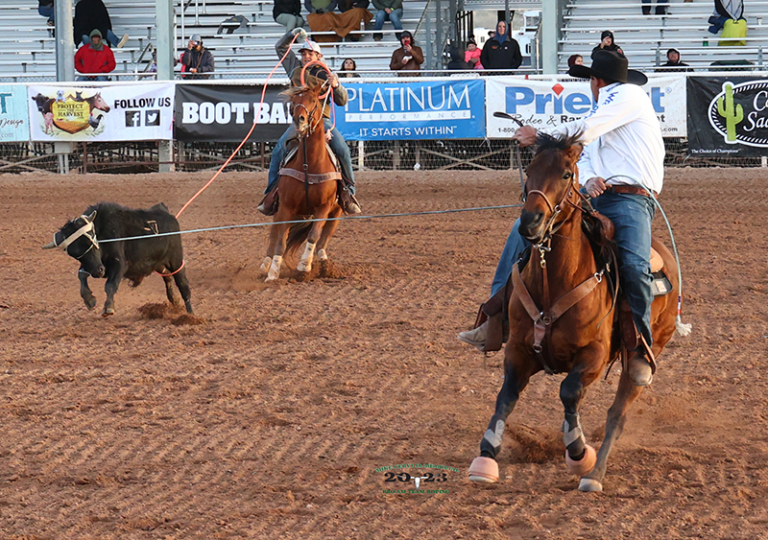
pixel 296 238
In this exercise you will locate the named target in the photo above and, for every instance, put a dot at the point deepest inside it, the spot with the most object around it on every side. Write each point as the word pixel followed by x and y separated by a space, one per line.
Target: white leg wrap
pixel 274 269
pixel 265 265
pixel 322 255
pixel 305 264
pixel 495 436
pixel 574 434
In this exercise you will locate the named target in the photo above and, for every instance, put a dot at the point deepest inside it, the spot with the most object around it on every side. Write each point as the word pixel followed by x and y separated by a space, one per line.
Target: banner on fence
pixel 225 113
pixel 544 104
pixel 143 112
pixel 727 116
pixel 451 109
pixel 14 116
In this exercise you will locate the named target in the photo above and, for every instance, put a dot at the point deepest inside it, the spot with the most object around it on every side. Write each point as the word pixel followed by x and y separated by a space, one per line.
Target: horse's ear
pixel 574 151
pixel 92 216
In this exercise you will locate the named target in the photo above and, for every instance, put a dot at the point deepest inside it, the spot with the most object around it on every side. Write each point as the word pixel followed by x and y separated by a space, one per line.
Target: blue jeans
pixel 632 216
pixel 110 37
pixel 47 11
pixel 98 78
pixel 337 143
pixel 394 16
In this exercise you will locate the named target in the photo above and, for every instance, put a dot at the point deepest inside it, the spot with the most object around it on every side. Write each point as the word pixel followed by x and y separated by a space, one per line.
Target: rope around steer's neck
pixel 682 328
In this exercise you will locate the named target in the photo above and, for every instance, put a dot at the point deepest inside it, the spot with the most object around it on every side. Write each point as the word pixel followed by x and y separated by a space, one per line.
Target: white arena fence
pixel 420 123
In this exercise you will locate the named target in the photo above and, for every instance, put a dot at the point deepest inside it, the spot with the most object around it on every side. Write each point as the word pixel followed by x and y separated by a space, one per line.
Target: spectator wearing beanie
pixel 607 43
pixel 472 54
pixel 407 58
pixel 674 63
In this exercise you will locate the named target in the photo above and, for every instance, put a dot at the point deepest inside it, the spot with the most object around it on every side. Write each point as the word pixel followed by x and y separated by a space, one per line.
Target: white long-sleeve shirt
pixel 622 138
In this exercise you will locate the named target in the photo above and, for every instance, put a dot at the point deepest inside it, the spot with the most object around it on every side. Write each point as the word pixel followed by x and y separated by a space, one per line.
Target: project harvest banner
pixel 451 109
pixel 66 112
pixel 544 104
pixel 727 116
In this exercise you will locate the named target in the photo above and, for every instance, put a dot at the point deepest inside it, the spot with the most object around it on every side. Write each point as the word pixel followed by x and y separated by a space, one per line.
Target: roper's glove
pixel 300 32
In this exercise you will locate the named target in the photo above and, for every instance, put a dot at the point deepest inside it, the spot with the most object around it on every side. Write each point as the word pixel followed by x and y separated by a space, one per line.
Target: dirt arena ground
pixel 271 419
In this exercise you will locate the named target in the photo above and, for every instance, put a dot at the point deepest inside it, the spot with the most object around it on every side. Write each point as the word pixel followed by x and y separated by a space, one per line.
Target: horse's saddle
pixel 291 149
pixel 600 230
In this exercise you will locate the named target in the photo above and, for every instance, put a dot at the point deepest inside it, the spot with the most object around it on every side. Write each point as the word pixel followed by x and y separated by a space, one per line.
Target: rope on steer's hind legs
pixel 684 329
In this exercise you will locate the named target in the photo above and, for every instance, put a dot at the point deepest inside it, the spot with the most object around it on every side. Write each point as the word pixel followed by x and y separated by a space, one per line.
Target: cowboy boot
pixel 639 369
pixel 268 205
pixel 475 337
pixel 348 202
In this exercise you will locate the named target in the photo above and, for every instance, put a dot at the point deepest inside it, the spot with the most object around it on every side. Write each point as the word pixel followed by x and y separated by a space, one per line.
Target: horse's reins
pixel 543 319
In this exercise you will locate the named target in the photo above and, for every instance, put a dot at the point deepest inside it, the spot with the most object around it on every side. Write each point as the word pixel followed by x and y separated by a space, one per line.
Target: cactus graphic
pixel 732 116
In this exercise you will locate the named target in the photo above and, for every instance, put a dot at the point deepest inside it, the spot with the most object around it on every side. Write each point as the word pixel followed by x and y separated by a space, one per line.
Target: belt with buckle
pixel 629 190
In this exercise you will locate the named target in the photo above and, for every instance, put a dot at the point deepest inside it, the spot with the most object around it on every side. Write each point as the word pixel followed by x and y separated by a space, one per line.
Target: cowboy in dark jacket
pixel 501 51
pixel 197 61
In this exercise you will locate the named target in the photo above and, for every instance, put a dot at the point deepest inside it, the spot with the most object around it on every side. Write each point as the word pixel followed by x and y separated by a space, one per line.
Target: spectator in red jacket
pixel 95 57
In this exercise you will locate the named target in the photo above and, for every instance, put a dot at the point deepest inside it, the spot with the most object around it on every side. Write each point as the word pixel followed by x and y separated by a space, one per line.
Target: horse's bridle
pixel 310 117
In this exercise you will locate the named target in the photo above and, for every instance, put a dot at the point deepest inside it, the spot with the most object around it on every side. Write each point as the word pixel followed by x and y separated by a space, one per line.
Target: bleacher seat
pixel 645 39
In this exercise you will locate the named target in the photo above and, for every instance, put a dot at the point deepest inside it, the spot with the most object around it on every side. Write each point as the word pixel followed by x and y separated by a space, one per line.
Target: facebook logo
pixel 152 117
pixel 132 118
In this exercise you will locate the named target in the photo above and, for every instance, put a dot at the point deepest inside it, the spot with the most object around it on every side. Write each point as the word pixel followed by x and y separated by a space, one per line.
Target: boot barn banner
pixel 109 113
pixel 544 104
pixel 14 116
pixel 225 113
pixel 727 116
pixel 454 109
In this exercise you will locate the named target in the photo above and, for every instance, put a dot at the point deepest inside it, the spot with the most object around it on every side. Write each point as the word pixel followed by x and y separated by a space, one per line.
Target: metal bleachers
pixel 28 45
pixel 645 39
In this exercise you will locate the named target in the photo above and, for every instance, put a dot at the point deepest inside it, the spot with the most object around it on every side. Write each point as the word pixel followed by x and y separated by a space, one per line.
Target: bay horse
pixel 307 188
pixel 562 316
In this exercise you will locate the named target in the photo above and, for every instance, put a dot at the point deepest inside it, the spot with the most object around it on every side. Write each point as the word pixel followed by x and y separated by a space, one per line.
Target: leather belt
pixel 630 190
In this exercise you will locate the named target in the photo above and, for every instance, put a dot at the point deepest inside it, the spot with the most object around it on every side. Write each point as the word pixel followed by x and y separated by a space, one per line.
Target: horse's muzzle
pixel 531 225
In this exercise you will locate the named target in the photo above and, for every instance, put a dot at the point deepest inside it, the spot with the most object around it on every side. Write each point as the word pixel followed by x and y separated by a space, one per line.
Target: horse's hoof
pixel 322 255
pixel 108 312
pixel 270 279
pixel 90 304
pixel 585 465
pixel 264 268
pixel 590 485
pixel 484 470
pixel 301 267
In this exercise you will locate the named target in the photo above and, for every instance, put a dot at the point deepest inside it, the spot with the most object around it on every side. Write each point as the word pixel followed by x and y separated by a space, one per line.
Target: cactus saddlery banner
pixel 727 116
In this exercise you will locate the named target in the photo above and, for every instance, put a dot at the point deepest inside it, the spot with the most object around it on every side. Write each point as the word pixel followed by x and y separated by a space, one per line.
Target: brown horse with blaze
pixel 307 186
pixel 562 313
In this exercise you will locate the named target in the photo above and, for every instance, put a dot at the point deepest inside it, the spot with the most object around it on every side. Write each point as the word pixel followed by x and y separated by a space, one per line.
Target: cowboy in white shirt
pixel 622 160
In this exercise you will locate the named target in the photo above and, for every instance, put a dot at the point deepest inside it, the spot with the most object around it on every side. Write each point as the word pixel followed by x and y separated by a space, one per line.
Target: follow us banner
pixel 453 109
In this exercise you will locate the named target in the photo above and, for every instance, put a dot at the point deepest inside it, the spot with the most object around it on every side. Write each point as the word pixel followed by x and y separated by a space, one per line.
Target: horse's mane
pixel 545 141
pixel 314 84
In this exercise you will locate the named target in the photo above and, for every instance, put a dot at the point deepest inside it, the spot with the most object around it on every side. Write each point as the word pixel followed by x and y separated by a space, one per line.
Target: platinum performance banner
pixel 727 116
pixel 225 113
pixel 450 109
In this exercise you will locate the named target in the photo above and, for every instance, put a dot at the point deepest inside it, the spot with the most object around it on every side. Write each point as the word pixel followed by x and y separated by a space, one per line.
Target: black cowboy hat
pixel 609 65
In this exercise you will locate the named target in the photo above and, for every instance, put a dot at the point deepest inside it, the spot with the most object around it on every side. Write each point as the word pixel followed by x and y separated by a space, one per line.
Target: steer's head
pixel 78 239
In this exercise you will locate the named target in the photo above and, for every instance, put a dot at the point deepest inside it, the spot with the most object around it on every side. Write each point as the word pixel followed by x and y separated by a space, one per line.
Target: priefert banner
pixel 544 104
